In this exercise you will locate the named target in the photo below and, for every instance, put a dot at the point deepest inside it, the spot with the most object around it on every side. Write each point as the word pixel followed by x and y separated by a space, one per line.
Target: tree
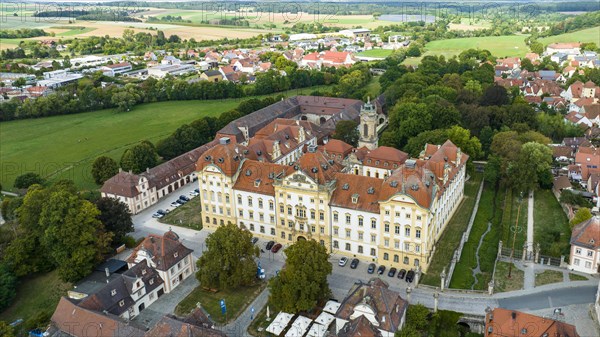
pixel 413 51
pixel 74 238
pixel 408 331
pixel 303 281
pixel 536 47
pixel 228 262
pixel 580 216
pixel 6 330
pixel 103 169
pixel 494 95
pixel 27 179
pixel 8 287
pixel 347 131
pixel 139 158
pixel 417 316
pixel 116 218
pixel 534 159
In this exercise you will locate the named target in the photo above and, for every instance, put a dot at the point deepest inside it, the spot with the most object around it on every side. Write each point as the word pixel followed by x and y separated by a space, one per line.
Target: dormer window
pixel 151 281
pixel 121 303
pixel 113 292
pixel 176 254
pixel 257 183
pixel 355 198
pixel 143 271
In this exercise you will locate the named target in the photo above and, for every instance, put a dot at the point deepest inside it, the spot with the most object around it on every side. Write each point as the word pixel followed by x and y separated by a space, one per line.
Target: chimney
pixel 107 272
pixel 120 170
pixel 147 170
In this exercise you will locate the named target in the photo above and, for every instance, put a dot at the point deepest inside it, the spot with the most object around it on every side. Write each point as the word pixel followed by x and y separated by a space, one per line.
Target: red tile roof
pixel 510 323
pixel 166 250
pixel 587 233
pixel 258 177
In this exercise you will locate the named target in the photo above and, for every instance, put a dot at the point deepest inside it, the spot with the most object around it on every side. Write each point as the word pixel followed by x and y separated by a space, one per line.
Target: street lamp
pixel 516 230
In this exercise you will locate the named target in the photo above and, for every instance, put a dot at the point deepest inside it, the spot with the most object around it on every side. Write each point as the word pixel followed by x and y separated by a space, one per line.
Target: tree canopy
pixel 27 179
pixel 228 262
pixel 347 131
pixel 103 169
pixel 139 158
pixel 302 283
pixel 116 218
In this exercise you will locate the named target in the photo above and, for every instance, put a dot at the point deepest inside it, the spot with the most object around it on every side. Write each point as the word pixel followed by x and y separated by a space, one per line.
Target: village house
pixel 585 246
pixel 212 76
pixel 166 253
pixel 571 48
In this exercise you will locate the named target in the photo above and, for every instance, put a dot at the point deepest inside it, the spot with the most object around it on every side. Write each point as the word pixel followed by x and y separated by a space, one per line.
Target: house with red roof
pixel 585 246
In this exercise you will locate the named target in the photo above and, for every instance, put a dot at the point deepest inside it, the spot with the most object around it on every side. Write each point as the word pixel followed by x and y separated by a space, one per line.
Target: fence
pixel 517 254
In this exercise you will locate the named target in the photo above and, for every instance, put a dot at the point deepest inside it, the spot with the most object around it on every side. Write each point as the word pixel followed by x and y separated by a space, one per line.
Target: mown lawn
pixel 509 220
pixel 462 277
pixel 503 283
pixel 584 35
pixel 376 53
pixel 188 215
pixel 36 293
pixel 551 225
pixel 577 277
pixel 499 46
pixel 450 239
pixel 235 301
pixel 548 277
pixel 64 147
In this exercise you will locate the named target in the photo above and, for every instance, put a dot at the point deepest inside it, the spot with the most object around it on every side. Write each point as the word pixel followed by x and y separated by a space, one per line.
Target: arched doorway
pixel 301 238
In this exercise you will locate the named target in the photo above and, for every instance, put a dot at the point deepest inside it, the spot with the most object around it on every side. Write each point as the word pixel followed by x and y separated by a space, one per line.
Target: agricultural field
pixel 585 35
pixel 64 147
pixel 470 24
pixel 499 46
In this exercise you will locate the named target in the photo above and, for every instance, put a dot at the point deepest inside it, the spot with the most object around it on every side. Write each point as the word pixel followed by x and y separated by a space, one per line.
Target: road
pixel 342 278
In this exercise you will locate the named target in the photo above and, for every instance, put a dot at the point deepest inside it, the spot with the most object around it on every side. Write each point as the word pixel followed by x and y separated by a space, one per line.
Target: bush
pixel 8 287
pixel 129 241
pixel 28 179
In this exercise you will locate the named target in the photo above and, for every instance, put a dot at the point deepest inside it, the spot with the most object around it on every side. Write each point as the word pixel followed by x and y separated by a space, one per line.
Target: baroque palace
pixel 276 173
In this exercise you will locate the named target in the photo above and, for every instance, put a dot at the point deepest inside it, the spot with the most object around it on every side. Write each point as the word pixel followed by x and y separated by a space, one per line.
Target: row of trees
pixel 22 33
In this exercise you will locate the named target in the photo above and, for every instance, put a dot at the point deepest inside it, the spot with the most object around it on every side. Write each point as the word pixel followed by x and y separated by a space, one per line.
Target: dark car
pixel 276 248
pixel 180 201
pixel 401 273
pixel 270 245
pixel 197 190
pixel 380 270
pixel 160 211
pixel 254 240
pixel 392 272
pixel 371 268
pixel 354 263
pixel 410 276
pixel 184 198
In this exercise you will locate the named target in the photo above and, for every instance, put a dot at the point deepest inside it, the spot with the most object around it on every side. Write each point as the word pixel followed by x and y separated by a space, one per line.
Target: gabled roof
pixel 227 157
pixel 360 326
pixel 170 326
pixel 357 192
pixel 503 322
pixel 258 177
pixel 587 233
pixel 123 183
pixel 76 321
pixel 165 251
pixel 385 157
pixel 318 167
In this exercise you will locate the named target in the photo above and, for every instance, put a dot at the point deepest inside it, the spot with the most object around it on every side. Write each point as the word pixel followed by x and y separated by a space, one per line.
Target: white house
pixel 172 260
pixel 585 246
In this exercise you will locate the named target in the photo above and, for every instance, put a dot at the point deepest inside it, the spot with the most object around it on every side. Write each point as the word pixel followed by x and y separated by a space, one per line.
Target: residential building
pixel 172 260
pixel 128 294
pixel 175 69
pixel 383 308
pixel 189 326
pixel 588 159
pixel 212 76
pixel 501 322
pixel 571 48
pixel 585 246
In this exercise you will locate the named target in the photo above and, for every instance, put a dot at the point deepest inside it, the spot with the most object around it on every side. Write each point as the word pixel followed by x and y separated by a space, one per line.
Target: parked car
pixel 194 194
pixel 180 201
pixel 157 215
pixel 270 245
pixel 160 211
pixel 175 204
pixel 410 276
pixel 371 268
pixel 254 240
pixel 343 261
pixel 354 263
pixel 276 248
pixel 184 198
pixel 380 270
pixel 197 190
pixel 401 273
pixel 392 272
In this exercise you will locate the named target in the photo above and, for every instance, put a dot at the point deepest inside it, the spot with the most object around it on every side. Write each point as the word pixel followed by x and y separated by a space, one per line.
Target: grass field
pixel 450 239
pixel 463 276
pixel 470 24
pixel 548 277
pixel 35 294
pixel 187 215
pixel 64 147
pixel 577 277
pixel 499 46
pixel 551 225
pixel 376 53
pixel 585 35
pixel 235 300
pixel 509 221
pixel 74 32
pixel 502 283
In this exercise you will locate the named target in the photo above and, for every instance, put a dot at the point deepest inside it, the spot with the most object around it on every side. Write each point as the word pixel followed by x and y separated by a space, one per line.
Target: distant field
pixel 470 24
pixel 73 32
pixel 499 46
pixel 585 35
pixel 64 147
pixel 376 53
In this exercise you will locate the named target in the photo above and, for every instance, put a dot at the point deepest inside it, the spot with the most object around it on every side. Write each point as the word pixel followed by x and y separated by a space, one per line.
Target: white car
pixel 194 194
pixel 343 261
pixel 174 204
pixel 157 215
